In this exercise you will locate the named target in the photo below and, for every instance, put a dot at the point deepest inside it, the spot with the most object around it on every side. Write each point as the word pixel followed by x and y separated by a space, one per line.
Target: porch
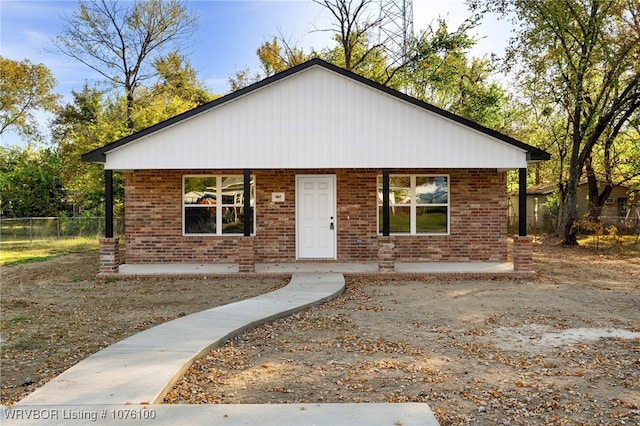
pixel 444 270
pixel 387 265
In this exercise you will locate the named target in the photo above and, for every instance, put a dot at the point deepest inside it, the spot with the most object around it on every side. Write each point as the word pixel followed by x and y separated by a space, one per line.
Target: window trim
pixel 414 205
pixel 219 206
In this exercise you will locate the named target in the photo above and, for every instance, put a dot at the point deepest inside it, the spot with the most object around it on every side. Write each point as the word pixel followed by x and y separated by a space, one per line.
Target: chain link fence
pixel 46 228
pixel 625 225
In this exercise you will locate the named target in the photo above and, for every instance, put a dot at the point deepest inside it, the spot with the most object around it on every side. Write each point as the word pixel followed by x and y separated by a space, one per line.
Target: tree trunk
pixel 597 199
pixel 592 183
pixel 130 106
pixel 569 211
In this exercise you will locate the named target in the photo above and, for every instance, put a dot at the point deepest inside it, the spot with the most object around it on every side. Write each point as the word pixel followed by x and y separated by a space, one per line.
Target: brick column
pixel 523 253
pixel 109 255
pixel 246 255
pixel 386 258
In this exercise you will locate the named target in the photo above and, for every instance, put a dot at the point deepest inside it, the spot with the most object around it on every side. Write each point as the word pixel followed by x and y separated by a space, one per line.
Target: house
pixel 619 206
pixel 315 164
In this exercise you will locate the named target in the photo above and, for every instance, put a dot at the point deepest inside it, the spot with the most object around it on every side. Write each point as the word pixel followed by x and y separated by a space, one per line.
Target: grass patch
pixel 19 319
pixel 30 343
pixel 25 251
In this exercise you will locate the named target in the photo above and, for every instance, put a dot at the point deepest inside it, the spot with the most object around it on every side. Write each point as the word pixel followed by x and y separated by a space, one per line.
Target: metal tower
pixel 396 28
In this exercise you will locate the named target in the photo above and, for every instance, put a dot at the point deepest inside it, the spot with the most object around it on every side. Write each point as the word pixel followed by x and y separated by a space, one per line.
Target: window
pixel 214 205
pixel 417 204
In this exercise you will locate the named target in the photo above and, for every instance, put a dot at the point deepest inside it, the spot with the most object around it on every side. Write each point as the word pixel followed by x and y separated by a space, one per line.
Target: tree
pixel 121 40
pixel 30 182
pixel 279 55
pixel 275 56
pixel 87 123
pixel 373 67
pixel 176 91
pixel 354 22
pixel 620 165
pixel 178 78
pixel 583 54
pixel 24 89
pixel 435 67
pixel 436 70
pixel 439 72
pixel 93 120
pixel 243 78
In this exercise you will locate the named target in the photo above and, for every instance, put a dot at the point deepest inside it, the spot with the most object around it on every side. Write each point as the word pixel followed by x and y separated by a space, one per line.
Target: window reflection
pixel 432 190
pixel 200 190
pixel 431 220
pixel 215 205
pixel 232 196
pixel 417 204
pixel 199 221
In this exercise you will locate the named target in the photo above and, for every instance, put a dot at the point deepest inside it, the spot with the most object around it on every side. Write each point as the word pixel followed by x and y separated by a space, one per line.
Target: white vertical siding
pixel 315 119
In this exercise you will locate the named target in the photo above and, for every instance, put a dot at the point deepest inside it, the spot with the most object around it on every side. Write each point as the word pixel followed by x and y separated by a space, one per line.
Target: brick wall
pixel 357 224
pixel 153 219
pixel 275 222
pixel 478 228
pixel 153 223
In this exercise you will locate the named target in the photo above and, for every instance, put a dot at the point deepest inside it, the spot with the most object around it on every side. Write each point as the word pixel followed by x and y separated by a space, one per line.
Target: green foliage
pixel 243 78
pixel 177 90
pixel 24 89
pixel 439 60
pixel 279 55
pixel 129 44
pixel 617 162
pixel 275 56
pixel 178 79
pixel 30 182
pixel 553 204
pixel 371 60
pixel 441 73
pixel 438 70
pixel 336 55
pixel 90 122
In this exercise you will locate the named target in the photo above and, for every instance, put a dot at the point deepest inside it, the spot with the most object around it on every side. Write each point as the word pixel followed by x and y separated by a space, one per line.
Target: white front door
pixel 315 216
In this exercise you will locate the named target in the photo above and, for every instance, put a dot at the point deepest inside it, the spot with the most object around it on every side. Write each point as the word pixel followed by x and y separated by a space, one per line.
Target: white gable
pixel 316 118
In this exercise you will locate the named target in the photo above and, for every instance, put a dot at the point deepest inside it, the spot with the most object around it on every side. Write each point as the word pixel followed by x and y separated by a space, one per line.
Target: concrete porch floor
pixel 413 268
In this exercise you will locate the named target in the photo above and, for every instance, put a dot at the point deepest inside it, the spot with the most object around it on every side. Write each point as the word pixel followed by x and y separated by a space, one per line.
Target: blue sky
pixel 229 34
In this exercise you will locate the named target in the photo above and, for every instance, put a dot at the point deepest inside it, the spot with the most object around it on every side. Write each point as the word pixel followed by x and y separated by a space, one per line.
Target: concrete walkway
pixel 130 378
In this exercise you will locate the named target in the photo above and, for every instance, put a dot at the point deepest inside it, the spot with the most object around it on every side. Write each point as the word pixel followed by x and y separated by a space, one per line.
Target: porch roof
pixel 316 115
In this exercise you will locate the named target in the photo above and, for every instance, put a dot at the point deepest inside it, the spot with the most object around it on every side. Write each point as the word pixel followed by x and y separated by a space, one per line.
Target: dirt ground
pixel 55 313
pixel 561 348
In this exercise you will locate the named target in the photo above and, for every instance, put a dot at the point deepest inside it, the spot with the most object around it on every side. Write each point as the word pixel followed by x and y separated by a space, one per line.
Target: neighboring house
pixel 618 206
pixel 315 164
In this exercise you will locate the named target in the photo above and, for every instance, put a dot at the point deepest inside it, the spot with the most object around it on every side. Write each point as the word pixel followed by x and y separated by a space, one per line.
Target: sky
pixel 229 33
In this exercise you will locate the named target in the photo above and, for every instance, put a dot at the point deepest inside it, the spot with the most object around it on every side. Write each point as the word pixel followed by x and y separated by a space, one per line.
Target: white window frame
pixel 414 205
pixel 219 206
